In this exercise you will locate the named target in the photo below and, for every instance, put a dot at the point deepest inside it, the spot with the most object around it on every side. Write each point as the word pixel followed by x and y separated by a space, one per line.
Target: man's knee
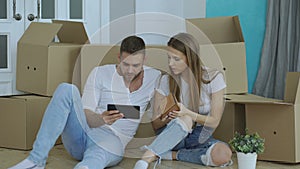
pixel 221 154
pixel 66 88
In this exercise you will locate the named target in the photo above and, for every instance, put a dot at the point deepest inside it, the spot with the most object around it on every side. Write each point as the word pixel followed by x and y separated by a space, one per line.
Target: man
pixel 90 133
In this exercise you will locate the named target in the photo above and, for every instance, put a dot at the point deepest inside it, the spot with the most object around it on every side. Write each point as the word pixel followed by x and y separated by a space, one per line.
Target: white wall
pixel 157 20
pixel 154 20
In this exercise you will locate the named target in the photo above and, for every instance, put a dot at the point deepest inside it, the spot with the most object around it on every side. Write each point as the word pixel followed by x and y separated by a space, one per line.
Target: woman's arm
pixel 158 101
pixel 157 123
pixel 213 119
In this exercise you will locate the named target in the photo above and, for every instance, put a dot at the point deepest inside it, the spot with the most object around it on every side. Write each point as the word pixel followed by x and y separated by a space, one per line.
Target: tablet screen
pixel 129 111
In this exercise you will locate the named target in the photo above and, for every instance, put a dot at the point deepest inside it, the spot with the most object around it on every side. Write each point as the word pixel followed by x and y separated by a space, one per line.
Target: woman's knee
pixel 221 154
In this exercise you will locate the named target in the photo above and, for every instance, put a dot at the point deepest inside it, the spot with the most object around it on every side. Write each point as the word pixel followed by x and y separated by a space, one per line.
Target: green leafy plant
pixel 247 143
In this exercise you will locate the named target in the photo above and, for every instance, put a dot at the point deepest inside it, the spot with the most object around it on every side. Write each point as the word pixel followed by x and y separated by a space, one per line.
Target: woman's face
pixel 177 61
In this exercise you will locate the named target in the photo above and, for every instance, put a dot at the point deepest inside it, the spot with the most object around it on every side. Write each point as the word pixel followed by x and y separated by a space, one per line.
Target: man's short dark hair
pixel 133 44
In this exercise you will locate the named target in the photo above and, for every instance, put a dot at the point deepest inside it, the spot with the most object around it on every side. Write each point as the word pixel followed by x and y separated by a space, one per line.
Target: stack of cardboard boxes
pixel 42 64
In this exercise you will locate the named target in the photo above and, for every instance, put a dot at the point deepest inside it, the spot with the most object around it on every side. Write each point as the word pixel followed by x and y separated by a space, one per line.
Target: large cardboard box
pixel 277 121
pixel 43 64
pixel 222 47
pixel 20 119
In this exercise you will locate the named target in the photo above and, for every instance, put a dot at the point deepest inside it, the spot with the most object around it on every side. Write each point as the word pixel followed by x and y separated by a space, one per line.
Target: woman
pixel 179 139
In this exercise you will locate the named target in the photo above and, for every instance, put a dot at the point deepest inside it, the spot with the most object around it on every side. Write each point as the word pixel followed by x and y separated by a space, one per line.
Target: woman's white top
pixel 217 84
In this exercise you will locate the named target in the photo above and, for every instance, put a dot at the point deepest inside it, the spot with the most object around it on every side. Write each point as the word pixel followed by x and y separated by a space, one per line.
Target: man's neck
pixel 135 83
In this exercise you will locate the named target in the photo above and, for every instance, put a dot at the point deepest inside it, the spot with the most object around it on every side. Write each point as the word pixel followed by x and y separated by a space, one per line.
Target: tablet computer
pixel 129 111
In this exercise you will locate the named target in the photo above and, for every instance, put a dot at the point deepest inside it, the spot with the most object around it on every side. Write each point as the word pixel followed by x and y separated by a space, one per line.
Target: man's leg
pixel 53 124
pixel 97 157
pixel 74 135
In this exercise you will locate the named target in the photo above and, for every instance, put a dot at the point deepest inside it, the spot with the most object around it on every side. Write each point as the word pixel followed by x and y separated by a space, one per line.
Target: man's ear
pixel 119 57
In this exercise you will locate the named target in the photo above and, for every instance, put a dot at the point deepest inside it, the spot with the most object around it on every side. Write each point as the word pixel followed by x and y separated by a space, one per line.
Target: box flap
pixel 250 98
pixel 72 32
pixel 292 88
pixel 40 33
pixel 297 99
pixel 218 30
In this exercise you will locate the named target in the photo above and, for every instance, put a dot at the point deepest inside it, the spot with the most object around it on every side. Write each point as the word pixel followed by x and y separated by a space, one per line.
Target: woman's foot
pixel 26 164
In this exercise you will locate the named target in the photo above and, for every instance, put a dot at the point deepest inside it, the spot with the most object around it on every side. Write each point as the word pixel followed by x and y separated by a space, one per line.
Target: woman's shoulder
pixel 209 74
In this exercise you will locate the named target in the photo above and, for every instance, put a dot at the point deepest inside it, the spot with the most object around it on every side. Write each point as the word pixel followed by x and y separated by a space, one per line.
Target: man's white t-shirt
pixel 105 86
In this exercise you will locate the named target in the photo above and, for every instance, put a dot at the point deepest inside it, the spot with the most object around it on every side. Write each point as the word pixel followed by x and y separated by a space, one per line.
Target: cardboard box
pixel 43 64
pixel 233 120
pixel 20 119
pixel 278 121
pixel 222 47
pixel 234 115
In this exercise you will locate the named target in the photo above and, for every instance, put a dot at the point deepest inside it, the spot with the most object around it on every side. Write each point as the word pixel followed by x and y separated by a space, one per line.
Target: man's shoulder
pixel 150 70
pixel 106 68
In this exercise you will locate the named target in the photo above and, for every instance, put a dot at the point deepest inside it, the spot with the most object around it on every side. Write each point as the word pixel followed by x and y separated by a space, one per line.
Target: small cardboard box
pixel 278 121
pixel 222 47
pixel 20 119
pixel 43 64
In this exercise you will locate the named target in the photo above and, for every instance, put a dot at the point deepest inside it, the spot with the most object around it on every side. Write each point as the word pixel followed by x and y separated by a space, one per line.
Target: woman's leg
pixel 175 132
pixel 210 153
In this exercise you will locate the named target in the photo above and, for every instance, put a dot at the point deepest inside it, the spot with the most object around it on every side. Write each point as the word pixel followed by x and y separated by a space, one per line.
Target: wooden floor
pixel 59 159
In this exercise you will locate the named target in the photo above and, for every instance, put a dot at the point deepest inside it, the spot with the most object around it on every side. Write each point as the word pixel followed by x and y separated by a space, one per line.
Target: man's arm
pixel 95 120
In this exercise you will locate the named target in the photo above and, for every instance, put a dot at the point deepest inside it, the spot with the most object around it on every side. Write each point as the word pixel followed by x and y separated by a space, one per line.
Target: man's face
pixel 131 65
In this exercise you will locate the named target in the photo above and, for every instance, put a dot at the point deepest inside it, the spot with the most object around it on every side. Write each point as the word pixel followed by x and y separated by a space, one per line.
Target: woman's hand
pixel 174 114
pixel 183 112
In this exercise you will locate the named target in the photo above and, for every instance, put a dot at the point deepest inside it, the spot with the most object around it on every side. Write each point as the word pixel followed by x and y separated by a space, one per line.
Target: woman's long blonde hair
pixel 189 46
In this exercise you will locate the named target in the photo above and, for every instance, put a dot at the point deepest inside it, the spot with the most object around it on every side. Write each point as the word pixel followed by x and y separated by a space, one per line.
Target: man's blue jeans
pixel 65 116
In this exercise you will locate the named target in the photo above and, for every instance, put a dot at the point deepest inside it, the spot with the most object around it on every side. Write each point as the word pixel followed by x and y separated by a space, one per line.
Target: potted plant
pixel 247 146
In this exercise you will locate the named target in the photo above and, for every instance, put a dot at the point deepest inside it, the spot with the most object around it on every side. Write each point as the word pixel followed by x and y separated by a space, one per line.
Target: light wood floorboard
pixel 59 159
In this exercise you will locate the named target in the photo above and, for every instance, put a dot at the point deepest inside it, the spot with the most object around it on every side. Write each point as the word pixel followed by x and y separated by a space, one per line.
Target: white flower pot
pixel 246 161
